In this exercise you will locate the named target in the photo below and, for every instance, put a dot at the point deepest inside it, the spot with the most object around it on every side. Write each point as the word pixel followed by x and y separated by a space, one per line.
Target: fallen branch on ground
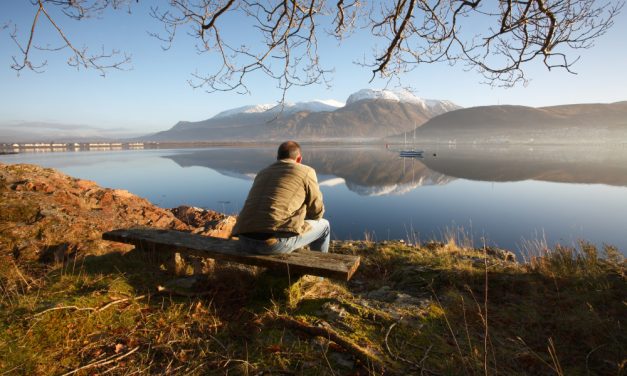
pixel 415 365
pixel 359 352
pixel 91 309
pixel 103 362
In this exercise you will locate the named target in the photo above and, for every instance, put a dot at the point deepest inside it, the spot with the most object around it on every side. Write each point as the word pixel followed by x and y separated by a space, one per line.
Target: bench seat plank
pixel 329 265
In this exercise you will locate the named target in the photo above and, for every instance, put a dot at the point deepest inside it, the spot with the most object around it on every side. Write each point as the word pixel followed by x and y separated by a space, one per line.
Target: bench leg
pixel 181 265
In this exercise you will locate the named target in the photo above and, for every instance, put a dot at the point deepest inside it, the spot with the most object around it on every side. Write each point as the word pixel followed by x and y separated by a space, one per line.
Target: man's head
pixel 289 150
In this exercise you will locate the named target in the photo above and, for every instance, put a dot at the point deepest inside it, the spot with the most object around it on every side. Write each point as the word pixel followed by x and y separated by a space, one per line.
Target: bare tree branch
pixel 80 57
pixel 25 51
pixel 279 38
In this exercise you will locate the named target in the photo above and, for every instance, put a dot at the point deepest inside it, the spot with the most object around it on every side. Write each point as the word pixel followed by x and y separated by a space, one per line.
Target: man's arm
pixel 313 198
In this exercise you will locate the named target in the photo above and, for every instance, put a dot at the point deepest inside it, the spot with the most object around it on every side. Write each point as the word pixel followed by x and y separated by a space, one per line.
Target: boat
pixel 411 153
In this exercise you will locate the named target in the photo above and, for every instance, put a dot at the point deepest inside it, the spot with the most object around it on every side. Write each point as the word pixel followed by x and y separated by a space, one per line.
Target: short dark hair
pixel 288 149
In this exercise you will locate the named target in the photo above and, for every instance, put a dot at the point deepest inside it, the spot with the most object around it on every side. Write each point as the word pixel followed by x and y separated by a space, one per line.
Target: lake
pixel 510 197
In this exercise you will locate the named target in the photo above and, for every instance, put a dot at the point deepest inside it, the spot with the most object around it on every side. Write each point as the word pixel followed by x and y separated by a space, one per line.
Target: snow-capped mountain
pixel 316 105
pixel 320 105
pixel 390 95
pixel 251 109
pixel 441 106
pixel 401 96
pixel 367 114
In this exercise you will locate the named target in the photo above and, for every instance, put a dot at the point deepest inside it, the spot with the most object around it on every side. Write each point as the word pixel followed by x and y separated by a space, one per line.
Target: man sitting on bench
pixel 283 210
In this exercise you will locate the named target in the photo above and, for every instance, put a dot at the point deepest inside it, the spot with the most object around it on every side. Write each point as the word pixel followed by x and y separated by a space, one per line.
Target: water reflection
pixel 503 194
pixel 563 164
pixel 379 171
pixel 366 171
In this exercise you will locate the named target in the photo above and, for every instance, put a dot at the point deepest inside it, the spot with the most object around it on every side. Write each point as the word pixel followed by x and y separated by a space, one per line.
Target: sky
pixel 154 94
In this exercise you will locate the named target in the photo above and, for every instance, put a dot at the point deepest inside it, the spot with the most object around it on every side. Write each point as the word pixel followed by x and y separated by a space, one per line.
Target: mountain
pixel 434 105
pixel 367 114
pixel 567 123
pixel 286 108
pixel 252 109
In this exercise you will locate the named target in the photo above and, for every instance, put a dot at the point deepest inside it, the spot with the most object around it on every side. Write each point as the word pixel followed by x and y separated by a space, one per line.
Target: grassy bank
pixel 73 304
pixel 434 309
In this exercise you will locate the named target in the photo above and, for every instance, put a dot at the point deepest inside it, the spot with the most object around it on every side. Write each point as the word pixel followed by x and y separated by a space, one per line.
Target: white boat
pixel 411 153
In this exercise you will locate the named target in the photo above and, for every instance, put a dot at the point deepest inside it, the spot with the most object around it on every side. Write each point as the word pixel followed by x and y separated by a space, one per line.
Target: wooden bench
pixel 329 265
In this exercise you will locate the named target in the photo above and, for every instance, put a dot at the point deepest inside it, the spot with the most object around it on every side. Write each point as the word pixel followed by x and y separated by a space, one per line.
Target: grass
pixel 438 308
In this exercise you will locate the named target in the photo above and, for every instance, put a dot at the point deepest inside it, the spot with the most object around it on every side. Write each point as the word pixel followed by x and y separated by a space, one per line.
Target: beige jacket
pixel 283 195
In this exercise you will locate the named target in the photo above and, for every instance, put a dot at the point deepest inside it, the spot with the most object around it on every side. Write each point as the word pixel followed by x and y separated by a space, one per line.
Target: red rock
pixel 207 222
pixel 68 211
pixel 84 184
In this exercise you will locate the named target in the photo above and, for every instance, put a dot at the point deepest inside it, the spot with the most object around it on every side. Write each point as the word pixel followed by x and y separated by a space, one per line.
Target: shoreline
pixel 122 144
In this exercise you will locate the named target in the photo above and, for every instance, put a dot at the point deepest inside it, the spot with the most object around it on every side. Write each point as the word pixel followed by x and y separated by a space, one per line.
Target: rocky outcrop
pixel 47 215
pixel 205 222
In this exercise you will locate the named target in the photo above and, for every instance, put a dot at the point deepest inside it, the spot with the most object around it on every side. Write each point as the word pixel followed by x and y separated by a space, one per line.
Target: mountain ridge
pixel 602 122
pixel 367 114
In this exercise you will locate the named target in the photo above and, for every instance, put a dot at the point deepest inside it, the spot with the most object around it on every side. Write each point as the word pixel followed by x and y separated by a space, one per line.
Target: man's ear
pixel 299 159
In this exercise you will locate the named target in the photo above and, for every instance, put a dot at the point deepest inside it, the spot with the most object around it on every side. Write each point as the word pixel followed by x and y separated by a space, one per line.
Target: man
pixel 283 210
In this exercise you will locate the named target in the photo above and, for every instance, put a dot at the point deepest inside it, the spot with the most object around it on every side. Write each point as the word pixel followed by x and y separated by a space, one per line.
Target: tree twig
pixel 359 352
pixel 103 362
pixel 59 308
pixel 76 308
pixel 416 365
pixel 118 302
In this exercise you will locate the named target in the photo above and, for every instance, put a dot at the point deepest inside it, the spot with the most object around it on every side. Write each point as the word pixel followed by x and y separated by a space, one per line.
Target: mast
pixel 414 142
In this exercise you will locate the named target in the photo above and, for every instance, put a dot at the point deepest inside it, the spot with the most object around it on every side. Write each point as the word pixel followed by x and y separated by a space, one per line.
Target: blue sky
pixel 154 94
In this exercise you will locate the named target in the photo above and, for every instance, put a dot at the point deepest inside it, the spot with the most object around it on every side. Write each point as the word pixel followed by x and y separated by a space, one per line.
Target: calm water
pixel 505 195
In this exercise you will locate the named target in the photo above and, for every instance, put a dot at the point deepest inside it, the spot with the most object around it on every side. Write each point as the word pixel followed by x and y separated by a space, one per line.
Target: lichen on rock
pixel 42 210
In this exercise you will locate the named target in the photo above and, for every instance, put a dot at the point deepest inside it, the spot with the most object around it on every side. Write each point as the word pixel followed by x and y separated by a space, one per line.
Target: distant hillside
pixel 367 114
pixel 567 123
pixel 55 132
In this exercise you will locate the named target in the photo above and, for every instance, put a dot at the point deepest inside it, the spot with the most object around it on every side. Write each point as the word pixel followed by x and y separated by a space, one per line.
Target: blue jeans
pixel 318 237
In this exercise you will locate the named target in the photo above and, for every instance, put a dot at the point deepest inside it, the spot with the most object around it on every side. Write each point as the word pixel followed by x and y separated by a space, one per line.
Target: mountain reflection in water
pixel 366 171
pixel 508 195
pixel 378 171
pixel 502 194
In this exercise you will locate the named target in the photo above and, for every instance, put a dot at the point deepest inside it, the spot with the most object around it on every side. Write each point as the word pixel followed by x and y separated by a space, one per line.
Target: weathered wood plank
pixel 329 265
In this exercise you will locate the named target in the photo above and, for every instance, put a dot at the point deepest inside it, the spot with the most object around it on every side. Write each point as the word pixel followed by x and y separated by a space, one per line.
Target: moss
pixel 312 307
pixel 120 286
pixel 19 212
